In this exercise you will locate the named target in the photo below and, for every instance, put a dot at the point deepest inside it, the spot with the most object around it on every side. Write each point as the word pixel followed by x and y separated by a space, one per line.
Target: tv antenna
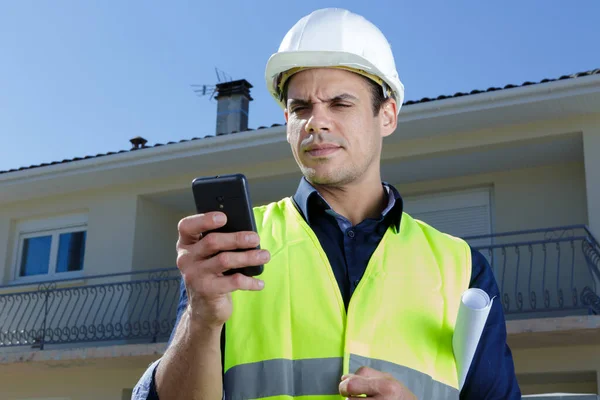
pixel 210 90
pixel 222 76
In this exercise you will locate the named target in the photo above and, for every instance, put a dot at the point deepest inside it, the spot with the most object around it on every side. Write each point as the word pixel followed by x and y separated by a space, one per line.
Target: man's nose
pixel 319 121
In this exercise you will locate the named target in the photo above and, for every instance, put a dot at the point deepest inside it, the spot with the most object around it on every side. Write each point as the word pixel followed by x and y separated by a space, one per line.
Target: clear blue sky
pixel 83 77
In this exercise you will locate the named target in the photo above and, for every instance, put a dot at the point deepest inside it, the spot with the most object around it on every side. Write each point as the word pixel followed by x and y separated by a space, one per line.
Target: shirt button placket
pixel 351 234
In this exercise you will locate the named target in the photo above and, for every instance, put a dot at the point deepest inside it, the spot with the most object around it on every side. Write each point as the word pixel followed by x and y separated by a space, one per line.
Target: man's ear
pixel 388 117
pixel 286 115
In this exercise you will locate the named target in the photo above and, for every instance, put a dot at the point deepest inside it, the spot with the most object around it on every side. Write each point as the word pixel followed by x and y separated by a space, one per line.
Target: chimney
pixel 138 142
pixel 233 101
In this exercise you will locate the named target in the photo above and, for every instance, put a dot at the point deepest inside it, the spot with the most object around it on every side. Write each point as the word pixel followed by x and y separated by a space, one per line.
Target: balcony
pixel 540 273
pixel 544 272
pixel 125 308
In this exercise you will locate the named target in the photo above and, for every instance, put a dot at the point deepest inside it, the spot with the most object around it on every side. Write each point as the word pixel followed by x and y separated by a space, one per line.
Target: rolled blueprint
pixel 473 312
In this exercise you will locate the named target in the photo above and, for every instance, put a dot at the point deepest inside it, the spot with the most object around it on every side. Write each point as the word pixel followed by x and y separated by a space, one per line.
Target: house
pixel 89 287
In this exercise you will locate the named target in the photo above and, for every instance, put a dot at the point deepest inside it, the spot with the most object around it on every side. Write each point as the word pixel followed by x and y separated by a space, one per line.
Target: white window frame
pixel 45 227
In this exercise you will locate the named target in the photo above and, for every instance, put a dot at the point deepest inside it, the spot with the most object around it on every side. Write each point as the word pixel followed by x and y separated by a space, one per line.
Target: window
pixel 460 213
pixel 50 248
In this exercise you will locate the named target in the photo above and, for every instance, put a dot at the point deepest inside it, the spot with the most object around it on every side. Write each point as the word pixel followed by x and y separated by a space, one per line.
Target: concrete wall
pixel 558 369
pixel 111 227
pixel 124 230
pixel 155 236
pixel 73 380
pixel 541 197
pixel 591 141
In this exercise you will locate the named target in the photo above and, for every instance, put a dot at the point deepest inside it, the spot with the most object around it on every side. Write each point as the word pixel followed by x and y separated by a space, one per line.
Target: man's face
pixel 334 136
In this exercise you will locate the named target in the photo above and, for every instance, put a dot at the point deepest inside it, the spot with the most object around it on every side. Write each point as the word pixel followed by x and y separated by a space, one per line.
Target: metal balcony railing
pixel 549 271
pixel 126 307
pixel 554 271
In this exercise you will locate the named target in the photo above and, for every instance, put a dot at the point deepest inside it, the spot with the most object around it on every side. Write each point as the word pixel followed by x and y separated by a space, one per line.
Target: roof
pixel 406 103
pixel 493 89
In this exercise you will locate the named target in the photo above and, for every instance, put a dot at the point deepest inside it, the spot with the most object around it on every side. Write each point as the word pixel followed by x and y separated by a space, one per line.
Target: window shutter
pixel 464 213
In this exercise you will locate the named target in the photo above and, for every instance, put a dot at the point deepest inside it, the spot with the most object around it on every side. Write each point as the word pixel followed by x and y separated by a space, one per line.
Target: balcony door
pixel 458 213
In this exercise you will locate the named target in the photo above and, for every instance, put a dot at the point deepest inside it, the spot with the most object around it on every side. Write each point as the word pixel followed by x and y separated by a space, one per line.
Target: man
pixel 357 298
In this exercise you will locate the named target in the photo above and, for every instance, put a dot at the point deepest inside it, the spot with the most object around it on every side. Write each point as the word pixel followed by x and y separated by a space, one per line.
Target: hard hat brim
pixel 285 61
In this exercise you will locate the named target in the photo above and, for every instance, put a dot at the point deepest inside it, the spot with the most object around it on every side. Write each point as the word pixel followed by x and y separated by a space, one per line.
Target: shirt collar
pixel 309 200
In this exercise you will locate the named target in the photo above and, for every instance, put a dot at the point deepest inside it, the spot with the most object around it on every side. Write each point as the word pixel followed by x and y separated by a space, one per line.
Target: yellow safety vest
pixel 294 338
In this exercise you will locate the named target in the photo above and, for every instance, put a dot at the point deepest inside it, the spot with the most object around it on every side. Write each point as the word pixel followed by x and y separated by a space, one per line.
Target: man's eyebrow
pixel 341 97
pixel 299 102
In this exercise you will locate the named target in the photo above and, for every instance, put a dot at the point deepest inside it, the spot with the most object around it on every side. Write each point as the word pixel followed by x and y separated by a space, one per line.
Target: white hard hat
pixel 334 37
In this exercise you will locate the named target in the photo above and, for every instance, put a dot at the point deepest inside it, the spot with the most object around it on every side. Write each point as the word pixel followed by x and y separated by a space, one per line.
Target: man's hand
pixel 202 259
pixel 375 385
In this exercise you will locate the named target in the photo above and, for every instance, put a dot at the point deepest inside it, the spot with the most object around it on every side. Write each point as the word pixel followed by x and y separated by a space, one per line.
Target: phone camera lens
pixel 220 199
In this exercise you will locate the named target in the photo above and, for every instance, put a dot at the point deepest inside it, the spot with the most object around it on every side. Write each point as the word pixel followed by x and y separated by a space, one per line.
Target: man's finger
pixel 191 228
pixel 374 383
pixel 236 259
pixel 231 283
pixel 356 386
pixel 216 242
pixel 369 372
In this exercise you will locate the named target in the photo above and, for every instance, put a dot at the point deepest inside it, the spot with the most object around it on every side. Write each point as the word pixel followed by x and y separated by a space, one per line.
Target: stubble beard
pixel 331 177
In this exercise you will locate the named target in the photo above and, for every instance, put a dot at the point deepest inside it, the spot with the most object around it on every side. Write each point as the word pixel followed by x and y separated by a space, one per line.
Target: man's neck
pixel 357 201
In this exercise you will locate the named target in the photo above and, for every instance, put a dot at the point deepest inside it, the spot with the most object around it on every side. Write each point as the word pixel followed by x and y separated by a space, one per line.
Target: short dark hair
pixel 377 96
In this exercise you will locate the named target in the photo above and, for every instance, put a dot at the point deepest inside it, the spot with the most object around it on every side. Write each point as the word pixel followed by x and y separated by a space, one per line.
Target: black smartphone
pixel 230 195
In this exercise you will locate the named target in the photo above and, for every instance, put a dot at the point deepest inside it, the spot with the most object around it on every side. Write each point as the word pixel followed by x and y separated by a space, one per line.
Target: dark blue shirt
pixel 349 248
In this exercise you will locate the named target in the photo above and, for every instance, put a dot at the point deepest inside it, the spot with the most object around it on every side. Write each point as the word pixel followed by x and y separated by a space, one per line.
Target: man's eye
pixel 341 105
pixel 297 109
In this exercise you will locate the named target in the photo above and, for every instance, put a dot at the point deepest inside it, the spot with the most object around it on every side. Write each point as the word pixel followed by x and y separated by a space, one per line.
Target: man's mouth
pixel 322 150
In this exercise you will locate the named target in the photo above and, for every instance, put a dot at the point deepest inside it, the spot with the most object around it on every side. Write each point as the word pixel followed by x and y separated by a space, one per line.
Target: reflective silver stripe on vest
pixel 320 376
pixel 315 376
pixel 422 385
